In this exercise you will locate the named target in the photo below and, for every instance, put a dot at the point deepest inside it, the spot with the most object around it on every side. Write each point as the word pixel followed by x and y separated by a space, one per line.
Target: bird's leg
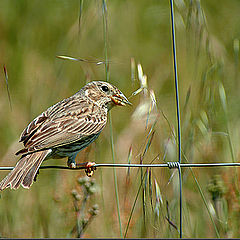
pixel 89 166
pixel 71 161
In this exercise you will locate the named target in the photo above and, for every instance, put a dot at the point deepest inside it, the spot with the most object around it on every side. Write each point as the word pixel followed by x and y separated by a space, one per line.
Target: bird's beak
pixel 120 99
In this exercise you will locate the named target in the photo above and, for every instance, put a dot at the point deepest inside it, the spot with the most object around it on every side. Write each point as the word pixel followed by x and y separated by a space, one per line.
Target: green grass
pixel 33 33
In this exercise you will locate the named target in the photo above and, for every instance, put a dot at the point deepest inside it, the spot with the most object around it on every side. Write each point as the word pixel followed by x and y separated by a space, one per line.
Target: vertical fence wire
pixel 178 112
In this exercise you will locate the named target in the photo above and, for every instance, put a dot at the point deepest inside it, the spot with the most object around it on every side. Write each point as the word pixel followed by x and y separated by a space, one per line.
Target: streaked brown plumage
pixel 63 130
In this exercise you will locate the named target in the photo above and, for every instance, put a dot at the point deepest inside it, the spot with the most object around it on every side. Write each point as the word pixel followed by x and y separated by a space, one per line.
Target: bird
pixel 63 130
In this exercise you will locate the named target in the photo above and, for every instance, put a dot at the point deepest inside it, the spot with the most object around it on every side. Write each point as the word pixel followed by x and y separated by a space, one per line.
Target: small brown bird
pixel 63 130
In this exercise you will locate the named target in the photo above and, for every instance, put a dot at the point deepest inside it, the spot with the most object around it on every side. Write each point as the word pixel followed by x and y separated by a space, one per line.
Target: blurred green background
pixel 33 33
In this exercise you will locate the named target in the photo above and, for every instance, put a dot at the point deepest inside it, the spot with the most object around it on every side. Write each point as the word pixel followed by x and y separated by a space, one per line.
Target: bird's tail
pixel 24 171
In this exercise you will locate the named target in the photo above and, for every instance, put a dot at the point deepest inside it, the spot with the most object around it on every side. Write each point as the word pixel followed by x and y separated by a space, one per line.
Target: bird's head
pixel 105 94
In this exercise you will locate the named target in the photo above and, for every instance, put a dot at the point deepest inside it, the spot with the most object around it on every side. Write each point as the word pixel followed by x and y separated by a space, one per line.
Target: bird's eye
pixel 105 88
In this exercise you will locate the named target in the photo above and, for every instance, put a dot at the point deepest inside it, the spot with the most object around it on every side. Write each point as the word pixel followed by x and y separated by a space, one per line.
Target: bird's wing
pixel 65 122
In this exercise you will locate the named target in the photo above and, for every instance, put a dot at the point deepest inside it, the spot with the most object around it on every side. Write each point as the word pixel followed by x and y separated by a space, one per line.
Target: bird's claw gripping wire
pixel 90 168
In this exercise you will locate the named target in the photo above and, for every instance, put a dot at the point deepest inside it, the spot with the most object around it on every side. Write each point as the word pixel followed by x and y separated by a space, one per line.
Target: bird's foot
pixel 72 165
pixel 90 168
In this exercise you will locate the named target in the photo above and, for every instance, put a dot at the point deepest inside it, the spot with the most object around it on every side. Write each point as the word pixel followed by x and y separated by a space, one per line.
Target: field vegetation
pixel 137 41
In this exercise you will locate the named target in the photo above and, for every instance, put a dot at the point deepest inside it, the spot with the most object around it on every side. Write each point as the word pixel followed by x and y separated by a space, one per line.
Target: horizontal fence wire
pixel 125 165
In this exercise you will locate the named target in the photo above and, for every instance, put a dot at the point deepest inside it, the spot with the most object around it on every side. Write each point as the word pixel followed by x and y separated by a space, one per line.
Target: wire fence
pixel 170 165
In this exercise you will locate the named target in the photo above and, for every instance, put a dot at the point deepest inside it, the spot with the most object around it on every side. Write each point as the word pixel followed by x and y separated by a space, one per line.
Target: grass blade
pixel 104 14
pixel 7 85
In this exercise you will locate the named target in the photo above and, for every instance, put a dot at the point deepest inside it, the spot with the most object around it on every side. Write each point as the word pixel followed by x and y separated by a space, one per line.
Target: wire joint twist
pixel 173 165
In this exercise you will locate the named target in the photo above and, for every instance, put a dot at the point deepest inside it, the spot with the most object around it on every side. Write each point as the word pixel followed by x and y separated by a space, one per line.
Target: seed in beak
pixel 120 100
